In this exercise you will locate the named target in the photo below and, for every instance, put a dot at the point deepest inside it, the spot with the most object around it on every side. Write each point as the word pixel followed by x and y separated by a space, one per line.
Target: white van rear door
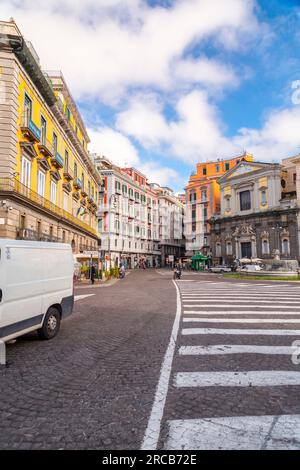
pixel 1 286
pixel 22 297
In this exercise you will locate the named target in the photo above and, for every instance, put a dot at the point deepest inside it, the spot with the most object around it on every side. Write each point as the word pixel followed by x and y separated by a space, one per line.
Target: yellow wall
pixel 38 109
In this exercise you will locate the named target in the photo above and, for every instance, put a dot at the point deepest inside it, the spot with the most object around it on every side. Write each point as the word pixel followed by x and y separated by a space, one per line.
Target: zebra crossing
pixel 233 384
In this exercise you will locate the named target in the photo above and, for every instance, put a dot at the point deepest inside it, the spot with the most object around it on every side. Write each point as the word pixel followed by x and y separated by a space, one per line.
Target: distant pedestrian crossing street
pixel 232 384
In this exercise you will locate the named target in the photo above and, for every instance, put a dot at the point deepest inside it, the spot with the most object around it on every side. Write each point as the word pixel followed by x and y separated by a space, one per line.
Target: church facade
pixel 257 217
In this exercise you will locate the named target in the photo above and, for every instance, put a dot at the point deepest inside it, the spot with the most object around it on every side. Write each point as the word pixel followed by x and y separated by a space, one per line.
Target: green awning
pixel 199 257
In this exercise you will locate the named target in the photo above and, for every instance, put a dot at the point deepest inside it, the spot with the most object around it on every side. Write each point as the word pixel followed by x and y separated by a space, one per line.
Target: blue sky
pixel 165 84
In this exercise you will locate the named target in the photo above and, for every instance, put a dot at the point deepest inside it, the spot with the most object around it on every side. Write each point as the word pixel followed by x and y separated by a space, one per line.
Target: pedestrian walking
pixel 93 274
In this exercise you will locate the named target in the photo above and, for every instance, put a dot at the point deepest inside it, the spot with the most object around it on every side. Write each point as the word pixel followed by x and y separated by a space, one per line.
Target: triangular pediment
pixel 244 168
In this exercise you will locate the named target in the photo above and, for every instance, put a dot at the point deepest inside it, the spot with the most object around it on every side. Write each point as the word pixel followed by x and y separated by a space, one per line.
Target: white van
pixel 36 287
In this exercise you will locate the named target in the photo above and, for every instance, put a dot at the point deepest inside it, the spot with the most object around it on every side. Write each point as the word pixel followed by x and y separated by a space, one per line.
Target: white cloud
pixel 279 136
pixel 198 134
pixel 164 176
pixel 195 135
pixel 120 151
pixel 114 146
pixel 207 72
pixel 105 47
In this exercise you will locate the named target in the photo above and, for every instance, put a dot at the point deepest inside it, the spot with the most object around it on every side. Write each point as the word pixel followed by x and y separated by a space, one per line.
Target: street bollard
pixel 2 353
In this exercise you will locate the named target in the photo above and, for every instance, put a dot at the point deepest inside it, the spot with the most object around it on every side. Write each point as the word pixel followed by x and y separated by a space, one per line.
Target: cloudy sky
pixel 165 84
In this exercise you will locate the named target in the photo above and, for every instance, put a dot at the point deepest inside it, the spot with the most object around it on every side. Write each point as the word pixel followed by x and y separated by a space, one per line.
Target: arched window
pixel 228 248
pixel 218 250
pixel 265 247
pixel 285 246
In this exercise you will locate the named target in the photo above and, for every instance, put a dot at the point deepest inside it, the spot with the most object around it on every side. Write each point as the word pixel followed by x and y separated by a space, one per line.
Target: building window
pixel 265 248
pixel 53 192
pixel 218 250
pixel 294 178
pixel 204 212
pixel 54 143
pixel 204 171
pixel 264 197
pixel 285 246
pixel 203 195
pixel 22 222
pixel 229 248
pixel 82 180
pixel 68 114
pixel 26 172
pixel 227 166
pixel 75 170
pixel 193 212
pixel 227 203
pixel 245 200
pixel 38 228
pixel 66 201
pixel 43 130
pixel 27 109
pixel 66 160
pixel 217 168
pixel 41 183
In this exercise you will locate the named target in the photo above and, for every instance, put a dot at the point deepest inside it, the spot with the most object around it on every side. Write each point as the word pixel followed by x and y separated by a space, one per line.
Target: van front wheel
pixel 51 324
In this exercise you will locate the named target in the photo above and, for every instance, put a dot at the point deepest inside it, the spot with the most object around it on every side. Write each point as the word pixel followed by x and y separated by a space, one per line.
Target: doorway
pixel 246 250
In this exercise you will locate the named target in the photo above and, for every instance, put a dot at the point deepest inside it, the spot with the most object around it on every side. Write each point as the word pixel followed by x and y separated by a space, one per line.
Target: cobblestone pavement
pixel 233 384
pixel 92 386
pixel 126 369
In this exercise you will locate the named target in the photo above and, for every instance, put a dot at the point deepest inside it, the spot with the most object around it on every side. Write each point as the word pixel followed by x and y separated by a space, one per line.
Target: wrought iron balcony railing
pixel 14 187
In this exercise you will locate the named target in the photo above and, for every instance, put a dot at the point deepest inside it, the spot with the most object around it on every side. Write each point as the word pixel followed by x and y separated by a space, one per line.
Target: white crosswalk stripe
pixel 249 317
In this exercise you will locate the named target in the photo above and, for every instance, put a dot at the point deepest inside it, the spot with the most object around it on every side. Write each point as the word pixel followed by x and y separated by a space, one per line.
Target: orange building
pixel 203 201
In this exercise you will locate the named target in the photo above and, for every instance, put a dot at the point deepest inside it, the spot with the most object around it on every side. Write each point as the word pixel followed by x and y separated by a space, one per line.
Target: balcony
pixel 57 161
pixel 83 192
pixel 45 147
pixel 67 187
pixel 77 183
pixel 76 195
pixel 30 130
pixel 10 187
pixel 34 235
pixel 68 174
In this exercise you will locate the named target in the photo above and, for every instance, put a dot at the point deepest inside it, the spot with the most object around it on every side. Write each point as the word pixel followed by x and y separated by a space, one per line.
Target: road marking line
pixel 81 297
pixel 241 320
pixel 235 433
pixel 241 296
pixel 241 301
pixel 220 349
pixel 225 331
pixel 154 424
pixel 256 378
pixel 237 312
pixel 249 305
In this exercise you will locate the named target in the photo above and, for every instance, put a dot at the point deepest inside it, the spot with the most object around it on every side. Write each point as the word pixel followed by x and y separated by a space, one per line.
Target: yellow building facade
pixel 48 183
